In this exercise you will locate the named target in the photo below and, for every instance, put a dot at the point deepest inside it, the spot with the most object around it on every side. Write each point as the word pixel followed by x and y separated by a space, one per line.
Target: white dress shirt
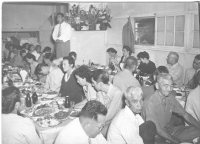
pixel 193 103
pixel 54 79
pixel 18 130
pixel 73 133
pixel 66 32
pixel 124 128
pixel 37 55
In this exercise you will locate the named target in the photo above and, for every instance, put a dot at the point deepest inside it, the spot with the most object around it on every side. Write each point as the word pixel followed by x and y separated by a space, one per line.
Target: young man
pixel 108 94
pixel 37 52
pixel 54 76
pixel 128 127
pixel 61 36
pixel 45 50
pixel 125 78
pixel 16 129
pixel 159 107
pixel 114 59
pixel 87 128
pixel 175 69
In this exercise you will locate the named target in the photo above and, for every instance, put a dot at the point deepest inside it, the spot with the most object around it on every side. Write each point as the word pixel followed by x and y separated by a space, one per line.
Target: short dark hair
pixel 38 68
pixel 70 60
pixel 197 57
pixel 10 96
pixel 83 72
pixel 143 54
pixel 128 49
pixel 7 45
pixel 46 49
pixel 92 109
pixel 161 69
pixel 72 54
pixel 130 62
pixel 61 14
pixel 50 56
pixel 22 51
pixel 38 46
pixel 29 47
pixel 112 50
pixel 100 75
pixel 30 56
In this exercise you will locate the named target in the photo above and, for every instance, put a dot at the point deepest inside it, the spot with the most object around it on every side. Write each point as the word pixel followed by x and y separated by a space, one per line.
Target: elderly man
pixel 175 69
pixel 159 107
pixel 193 101
pixel 128 127
pixel 125 78
pixel 85 129
pixel 189 74
pixel 62 35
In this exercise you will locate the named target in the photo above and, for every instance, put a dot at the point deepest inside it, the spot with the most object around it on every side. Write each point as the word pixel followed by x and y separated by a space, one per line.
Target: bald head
pixel 131 63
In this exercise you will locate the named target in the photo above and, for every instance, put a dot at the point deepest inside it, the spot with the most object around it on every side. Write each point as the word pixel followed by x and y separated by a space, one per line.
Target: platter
pixel 44 111
pixel 50 122
pixel 61 115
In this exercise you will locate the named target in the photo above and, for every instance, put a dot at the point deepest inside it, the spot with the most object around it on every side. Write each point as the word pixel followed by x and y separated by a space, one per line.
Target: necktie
pixel 59 31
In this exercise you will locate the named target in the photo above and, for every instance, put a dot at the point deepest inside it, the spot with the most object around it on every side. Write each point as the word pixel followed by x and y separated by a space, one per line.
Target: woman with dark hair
pixel 49 58
pixel 16 129
pixel 41 57
pixel 69 85
pixel 126 53
pixel 146 66
pixel 32 62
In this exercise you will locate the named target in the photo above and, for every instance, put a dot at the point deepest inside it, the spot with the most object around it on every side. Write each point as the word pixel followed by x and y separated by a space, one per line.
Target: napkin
pixel 23 74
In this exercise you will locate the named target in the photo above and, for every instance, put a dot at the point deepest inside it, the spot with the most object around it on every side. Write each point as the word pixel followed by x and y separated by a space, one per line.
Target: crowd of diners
pixel 120 111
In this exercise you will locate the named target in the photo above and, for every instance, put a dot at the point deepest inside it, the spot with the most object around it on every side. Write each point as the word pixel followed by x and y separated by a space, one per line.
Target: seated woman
pixel 54 76
pixel 69 86
pixel 41 57
pixel 146 66
pixel 49 58
pixel 16 129
pixel 32 62
pixel 126 53
pixel 114 59
pixel 82 75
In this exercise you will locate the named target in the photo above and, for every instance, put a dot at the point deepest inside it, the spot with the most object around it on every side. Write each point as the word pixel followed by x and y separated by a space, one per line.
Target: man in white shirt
pixel 193 101
pixel 175 69
pixel 85 129
pixel 16 129
pixel 54 76
pixel 128 127
pixel 37 52
pixel 61 35
pixel 125 78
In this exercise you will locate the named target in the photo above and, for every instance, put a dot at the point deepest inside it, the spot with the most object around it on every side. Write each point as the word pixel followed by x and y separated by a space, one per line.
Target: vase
pixel 92 27
pixel 103 26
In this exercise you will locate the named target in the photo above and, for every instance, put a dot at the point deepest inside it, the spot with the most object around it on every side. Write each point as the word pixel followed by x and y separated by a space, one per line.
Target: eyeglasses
pixel 99 127
pixel 196 63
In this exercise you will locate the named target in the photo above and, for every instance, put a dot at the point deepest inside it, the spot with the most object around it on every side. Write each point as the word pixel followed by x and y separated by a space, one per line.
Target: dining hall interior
pixel 100 72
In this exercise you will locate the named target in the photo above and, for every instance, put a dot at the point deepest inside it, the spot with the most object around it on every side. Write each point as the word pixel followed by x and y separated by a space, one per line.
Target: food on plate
pixel 75 114
pixel 38 84
pixel 61 115
pixel 44 111
pixel 48 122
pixel 42 106
pixel 51 92
pixel 46 99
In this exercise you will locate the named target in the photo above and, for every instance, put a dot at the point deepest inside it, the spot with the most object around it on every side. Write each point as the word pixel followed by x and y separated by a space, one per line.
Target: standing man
pixel 61 35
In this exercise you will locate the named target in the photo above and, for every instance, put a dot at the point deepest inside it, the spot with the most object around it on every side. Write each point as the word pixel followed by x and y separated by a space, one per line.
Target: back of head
pixel 70 60
pixel 50 56
pixel 30 56
pixel 127 49
pixel 46 49
pixel 161 69
pixel 92 109
pixel 143 55
pixel 73 54
pixel 112 50
pixel 83 72
pixel 100 76
pixel 10 96
pixel 130 62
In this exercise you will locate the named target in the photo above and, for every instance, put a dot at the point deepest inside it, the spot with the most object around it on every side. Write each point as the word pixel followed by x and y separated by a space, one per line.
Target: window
pixel 196 32
pixel 170 30
pixel 144 31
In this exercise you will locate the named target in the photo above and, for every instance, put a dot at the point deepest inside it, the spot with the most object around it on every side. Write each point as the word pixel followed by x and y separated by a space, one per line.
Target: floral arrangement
pixel 79 17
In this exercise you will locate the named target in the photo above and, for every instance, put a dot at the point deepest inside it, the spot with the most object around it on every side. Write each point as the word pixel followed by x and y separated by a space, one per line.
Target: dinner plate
pixel 44 111
pixel 62 115
pixel 48 122
pixel 74 114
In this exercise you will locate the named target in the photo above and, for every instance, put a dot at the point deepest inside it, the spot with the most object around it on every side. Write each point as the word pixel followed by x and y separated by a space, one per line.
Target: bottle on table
pixel 141 81
pixel 10 83
pixel 34 97
pixel 67 102
pixel 28 100
pixel 137 77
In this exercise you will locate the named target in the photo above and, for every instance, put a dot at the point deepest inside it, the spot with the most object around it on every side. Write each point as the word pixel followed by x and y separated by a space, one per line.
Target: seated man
pixel 189 74
pixel 108 94
pixel 125 78
pixel 126 53
pixel 37 52
pixel 193 101
pixel 16 129
pixel 54 76
pixel 45 50
pixel 114 59
pixel 85 129
pixel 159 107
pixel 32 63
pixel 128 127
pixel 146 66
pixel 175 69
pixel 82 75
